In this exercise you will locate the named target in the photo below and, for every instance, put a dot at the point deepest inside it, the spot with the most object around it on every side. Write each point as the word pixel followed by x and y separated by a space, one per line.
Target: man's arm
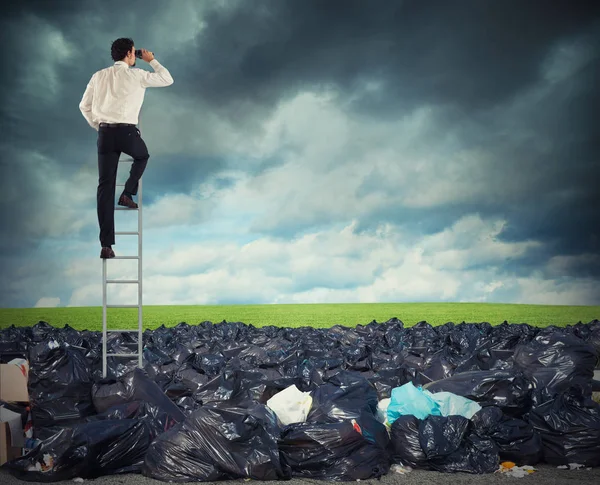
pixel 86 104
pixel 159 78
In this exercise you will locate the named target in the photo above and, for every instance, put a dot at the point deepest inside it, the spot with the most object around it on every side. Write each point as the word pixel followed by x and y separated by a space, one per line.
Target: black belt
pixel 116 124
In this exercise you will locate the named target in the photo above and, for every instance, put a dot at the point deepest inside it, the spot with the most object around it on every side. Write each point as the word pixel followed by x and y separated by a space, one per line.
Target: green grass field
pixel 314 315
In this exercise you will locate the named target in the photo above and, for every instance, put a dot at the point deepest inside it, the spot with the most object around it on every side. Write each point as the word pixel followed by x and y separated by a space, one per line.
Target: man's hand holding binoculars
pixel 147 55
pixel 144 54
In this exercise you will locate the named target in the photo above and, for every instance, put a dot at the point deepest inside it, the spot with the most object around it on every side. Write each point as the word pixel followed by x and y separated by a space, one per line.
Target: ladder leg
pixel 104 326
pixel 140 329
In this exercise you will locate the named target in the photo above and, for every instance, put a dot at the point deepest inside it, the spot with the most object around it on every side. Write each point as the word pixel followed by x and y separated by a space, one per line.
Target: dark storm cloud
pixel 558 199
pixel 472 53
pixel 473 56
pixel 35 118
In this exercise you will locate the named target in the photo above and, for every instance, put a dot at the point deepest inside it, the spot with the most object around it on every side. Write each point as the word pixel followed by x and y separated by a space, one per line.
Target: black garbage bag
pixel 445 444
pixel 225 387
pixel 344 396
pixel 59 384
pixel 405 446
pixel 219 442
pixel 507 389
pixel 556 362
pixel 158 420
pixel 388 378
pixel 135 386
pixel 451 446
pixel 88 450
pixel 14 342
pixel 516 439
pixel 569 426
pixel 345 450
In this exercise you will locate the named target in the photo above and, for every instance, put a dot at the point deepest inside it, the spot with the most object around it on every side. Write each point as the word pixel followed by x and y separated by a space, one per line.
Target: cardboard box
pixel 13 383
pixel 12 439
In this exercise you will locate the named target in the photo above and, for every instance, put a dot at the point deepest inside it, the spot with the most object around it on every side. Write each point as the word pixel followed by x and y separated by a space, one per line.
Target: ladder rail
pixel 105 281
pixel 139 236
pixel 104 325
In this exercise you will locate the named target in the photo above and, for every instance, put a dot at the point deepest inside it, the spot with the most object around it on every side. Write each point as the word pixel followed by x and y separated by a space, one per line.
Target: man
pixel 111 105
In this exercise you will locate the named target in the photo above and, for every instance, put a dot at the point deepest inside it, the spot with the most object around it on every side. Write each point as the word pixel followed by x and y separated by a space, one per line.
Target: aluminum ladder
pixel 105 282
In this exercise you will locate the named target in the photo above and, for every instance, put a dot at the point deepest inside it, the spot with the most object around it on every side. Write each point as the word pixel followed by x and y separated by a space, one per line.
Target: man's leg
pixel 135 147
pixel 108 161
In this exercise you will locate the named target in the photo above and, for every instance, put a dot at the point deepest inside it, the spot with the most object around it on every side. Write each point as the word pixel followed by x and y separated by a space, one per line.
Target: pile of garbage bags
pixel 229 400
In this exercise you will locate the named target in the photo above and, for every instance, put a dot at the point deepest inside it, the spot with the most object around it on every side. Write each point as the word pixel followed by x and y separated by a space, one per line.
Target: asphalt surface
pixel 545 474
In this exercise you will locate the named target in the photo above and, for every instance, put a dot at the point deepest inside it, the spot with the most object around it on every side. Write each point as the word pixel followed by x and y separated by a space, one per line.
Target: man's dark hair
pixel 120 48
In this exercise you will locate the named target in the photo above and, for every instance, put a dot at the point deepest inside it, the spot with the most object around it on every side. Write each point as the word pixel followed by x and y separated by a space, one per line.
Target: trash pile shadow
pixel 229 400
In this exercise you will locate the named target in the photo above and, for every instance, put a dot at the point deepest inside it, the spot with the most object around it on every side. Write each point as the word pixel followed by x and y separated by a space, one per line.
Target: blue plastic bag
pixel 414 401
pixel 409 400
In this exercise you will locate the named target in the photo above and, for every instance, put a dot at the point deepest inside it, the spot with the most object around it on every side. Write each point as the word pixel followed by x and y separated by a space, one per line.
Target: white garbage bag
pixel 291 405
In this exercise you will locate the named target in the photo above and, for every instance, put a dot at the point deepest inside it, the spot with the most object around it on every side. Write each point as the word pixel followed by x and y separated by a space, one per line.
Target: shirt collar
pixel 121 63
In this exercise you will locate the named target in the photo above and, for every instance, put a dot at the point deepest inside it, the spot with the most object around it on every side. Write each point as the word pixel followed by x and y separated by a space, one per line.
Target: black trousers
pixel 112 141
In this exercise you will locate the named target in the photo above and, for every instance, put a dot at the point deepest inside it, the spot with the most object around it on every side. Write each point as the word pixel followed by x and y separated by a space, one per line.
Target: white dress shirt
pixel 115 94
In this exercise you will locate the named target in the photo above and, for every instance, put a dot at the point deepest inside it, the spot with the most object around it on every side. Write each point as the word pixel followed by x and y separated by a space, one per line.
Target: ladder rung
pixel 122 281
pixel 120 185
pixel 125 209
pixel 126 257
pixel 121 330
pixel 122 306
pixel 122 355
pixel 127 233
pixel 127 160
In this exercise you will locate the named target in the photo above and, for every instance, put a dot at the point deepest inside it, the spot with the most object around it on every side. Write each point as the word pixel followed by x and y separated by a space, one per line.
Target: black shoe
pixel 107 253
pixel 126 201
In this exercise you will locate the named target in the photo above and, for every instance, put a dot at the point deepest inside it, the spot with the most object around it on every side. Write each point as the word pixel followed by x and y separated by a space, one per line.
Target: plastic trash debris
pixel 452 405
pixel 442 443
pixel 382 408
pixel 516 439
pixel 402 470
pixel 511 470
pixel 350 371
pixel 450 446
pixel 555 363
pixel 569 426
pixel 344 396
pixel 291 405
pixel 571 466
pixel 219 442
pixel 418 402
pixel 405 446
pixel 60 382
pixel 86 450
pixel 344 450
pixel 408 400
pixel 135 386
pixel 508 389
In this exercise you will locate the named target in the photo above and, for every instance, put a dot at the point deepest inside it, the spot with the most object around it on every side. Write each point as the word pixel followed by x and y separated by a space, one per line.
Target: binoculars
pixel 138 53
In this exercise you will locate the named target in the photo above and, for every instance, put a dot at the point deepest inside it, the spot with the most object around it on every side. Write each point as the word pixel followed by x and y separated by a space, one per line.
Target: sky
pixel 314 151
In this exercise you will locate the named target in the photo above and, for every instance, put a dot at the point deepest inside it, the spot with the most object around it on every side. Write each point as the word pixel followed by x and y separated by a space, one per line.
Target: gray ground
pixel 545 474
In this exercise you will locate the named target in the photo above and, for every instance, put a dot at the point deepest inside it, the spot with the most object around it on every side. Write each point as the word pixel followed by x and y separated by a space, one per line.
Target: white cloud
pixel 177 209
pixel 47 302
pixel 541 291
pixel 334 265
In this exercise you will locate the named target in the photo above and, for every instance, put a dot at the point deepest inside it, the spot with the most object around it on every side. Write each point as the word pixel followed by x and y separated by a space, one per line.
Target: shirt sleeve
pixel 85 106
pixel 159 78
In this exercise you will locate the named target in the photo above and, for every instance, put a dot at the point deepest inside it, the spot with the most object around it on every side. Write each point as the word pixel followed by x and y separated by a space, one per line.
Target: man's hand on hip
pixel 147 55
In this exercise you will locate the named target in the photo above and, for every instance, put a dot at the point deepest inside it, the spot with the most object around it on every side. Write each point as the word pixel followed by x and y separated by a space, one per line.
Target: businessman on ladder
pixel 111 105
